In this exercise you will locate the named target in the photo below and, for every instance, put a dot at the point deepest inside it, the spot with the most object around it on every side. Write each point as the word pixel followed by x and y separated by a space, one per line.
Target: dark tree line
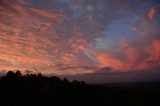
pixel 38 78
pixel 38 90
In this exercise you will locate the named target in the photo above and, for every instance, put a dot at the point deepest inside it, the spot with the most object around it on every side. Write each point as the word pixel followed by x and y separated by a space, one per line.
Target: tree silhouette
pixel 38 90
pixel 18 73
pixel 9 74
pixel 65 80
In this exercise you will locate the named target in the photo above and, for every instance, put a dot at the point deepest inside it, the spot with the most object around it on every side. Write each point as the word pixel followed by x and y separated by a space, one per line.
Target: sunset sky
pixel 79 36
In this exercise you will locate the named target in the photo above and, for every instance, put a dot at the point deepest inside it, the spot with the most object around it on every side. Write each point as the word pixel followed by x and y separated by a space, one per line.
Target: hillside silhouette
pixel 38 90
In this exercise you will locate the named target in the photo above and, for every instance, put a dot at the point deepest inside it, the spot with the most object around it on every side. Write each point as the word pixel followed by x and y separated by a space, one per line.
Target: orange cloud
pixel 69 58
pixel 152 13
pixel 78 43
pixel 133 59
pixel 154 51
pixel 130 51
pixel 108 60
pixel 27 42
pixel 53 16
pixel 23 41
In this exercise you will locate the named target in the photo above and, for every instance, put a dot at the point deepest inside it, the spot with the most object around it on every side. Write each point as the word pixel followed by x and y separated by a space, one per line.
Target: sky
pixel 72 37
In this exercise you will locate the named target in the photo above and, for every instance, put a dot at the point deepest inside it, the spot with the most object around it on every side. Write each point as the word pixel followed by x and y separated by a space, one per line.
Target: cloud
pixel 23 36
pixel 130 56
pixel 152 13
pixel 104 70
pixel 153 51
pixel 82 69
pixel 53 16
pixel 82 36
pixel 107 59
pixel 64 67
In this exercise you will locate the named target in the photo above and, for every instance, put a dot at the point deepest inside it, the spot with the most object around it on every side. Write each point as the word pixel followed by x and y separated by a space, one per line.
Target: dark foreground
pixel 37 90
